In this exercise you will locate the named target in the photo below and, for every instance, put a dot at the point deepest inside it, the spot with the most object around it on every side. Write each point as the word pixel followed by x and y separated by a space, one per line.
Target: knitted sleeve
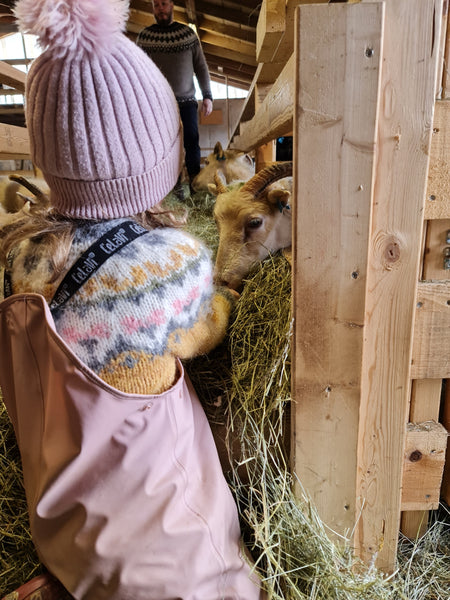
pixel 207 332
pixel 201 71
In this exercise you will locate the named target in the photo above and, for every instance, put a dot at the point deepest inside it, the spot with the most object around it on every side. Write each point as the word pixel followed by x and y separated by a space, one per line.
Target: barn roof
pixel 226 28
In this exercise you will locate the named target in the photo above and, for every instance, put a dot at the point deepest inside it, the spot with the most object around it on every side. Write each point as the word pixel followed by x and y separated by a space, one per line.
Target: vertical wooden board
pixel 265 155
pixel 270 29
pixel 410 54
pixel 442 49
pixel 337 80
pixel 425 400
pixel 430 357
pixel 438 232
pixel 445 491
pixel 445 67
pixel 437 205
pixel 424 458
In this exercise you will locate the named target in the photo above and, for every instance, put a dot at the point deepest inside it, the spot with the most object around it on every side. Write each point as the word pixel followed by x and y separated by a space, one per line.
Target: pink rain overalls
pixel 126 495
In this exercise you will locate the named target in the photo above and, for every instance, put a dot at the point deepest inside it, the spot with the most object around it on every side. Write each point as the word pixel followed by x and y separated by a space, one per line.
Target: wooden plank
pixel 442 49
pixel 445 491
pixel 410 56
pixel 425 406
pixel 425 396
pixel 233 45
pixel 228 30
pixel 274 116
pixel 423 465
pixel 431 347
pixel 438 232
pixel 265 155
pixel 270 29
pixel 425 400
pixel 414 523
pixel 334 145
pixel 286 44
pixel 445 71
pixel 12 77
pixel 229 53
pixel 14 142
pixel 437 205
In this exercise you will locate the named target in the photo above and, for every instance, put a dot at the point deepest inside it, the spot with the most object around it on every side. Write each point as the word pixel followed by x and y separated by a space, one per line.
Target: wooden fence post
pixel 365 92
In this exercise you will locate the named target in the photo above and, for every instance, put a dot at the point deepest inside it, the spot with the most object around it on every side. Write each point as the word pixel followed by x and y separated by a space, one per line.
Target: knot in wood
pixel 390 248
pixel 392 252
pixel 415 456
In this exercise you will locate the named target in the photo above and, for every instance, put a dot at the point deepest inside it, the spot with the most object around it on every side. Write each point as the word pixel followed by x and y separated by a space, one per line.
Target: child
pixel 124 487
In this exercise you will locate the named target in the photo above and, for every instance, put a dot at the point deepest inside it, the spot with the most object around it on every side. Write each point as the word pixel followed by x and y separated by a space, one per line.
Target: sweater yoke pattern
pixel 150 302
pixel 174 39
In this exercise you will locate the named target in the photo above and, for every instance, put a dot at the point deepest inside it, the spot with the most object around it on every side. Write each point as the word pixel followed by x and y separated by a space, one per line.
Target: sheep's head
pixel 235 165
pixel 253 221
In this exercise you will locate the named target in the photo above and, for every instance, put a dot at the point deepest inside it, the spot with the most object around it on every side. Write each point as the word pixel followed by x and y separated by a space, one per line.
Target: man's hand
pixel 207 107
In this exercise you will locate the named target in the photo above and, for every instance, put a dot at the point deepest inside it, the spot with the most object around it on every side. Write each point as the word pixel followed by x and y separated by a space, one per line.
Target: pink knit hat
pixel 103 121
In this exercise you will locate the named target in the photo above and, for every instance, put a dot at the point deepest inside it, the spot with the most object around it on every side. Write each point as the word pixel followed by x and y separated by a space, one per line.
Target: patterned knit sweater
pixel 150 302
pixel 176 50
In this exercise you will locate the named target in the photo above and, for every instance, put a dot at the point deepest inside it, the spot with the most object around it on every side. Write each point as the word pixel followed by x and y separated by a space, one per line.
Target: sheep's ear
pixel 212 189
pixel 220 183
pixel 279 198
pixel 218 151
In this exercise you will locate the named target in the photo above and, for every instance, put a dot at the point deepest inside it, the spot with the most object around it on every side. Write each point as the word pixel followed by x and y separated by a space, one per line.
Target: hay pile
pixel 18 559
pixel 245 385
pixel 289 542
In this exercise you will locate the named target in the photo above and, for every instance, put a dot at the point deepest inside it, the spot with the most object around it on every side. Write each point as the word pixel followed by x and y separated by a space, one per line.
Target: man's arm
pixel 202 74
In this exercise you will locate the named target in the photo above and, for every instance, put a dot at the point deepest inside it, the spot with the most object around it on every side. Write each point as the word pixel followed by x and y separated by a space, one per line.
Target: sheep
pixel 254 219
pixel 233 164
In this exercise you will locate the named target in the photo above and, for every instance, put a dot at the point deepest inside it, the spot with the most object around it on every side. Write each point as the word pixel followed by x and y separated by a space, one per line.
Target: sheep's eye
pixel 255 223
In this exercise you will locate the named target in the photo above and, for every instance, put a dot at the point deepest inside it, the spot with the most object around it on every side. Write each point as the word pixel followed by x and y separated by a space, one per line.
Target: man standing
pixel 176 50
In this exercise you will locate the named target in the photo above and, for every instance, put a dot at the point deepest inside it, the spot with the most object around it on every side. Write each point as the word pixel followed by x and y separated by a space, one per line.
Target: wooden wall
pixel 364 92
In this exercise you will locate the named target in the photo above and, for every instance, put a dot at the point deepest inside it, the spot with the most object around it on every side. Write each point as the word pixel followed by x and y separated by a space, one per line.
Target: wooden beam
pixel 437 237
pixel 245 16
pixel 12 77
pixel 437 205
pixel 286 43
pixel 410 55
pixel 425 405
pixel 233 45
pixel 275 115
pixel 229 54
pixel 191 12
pixel 445 67
pixel 423 465
pixel 271 28
pixel 220 61
pixel 334 143
pixel 142 5
pixel 14 142
pixel 247 34
pixel 431 347
pixel 445 491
